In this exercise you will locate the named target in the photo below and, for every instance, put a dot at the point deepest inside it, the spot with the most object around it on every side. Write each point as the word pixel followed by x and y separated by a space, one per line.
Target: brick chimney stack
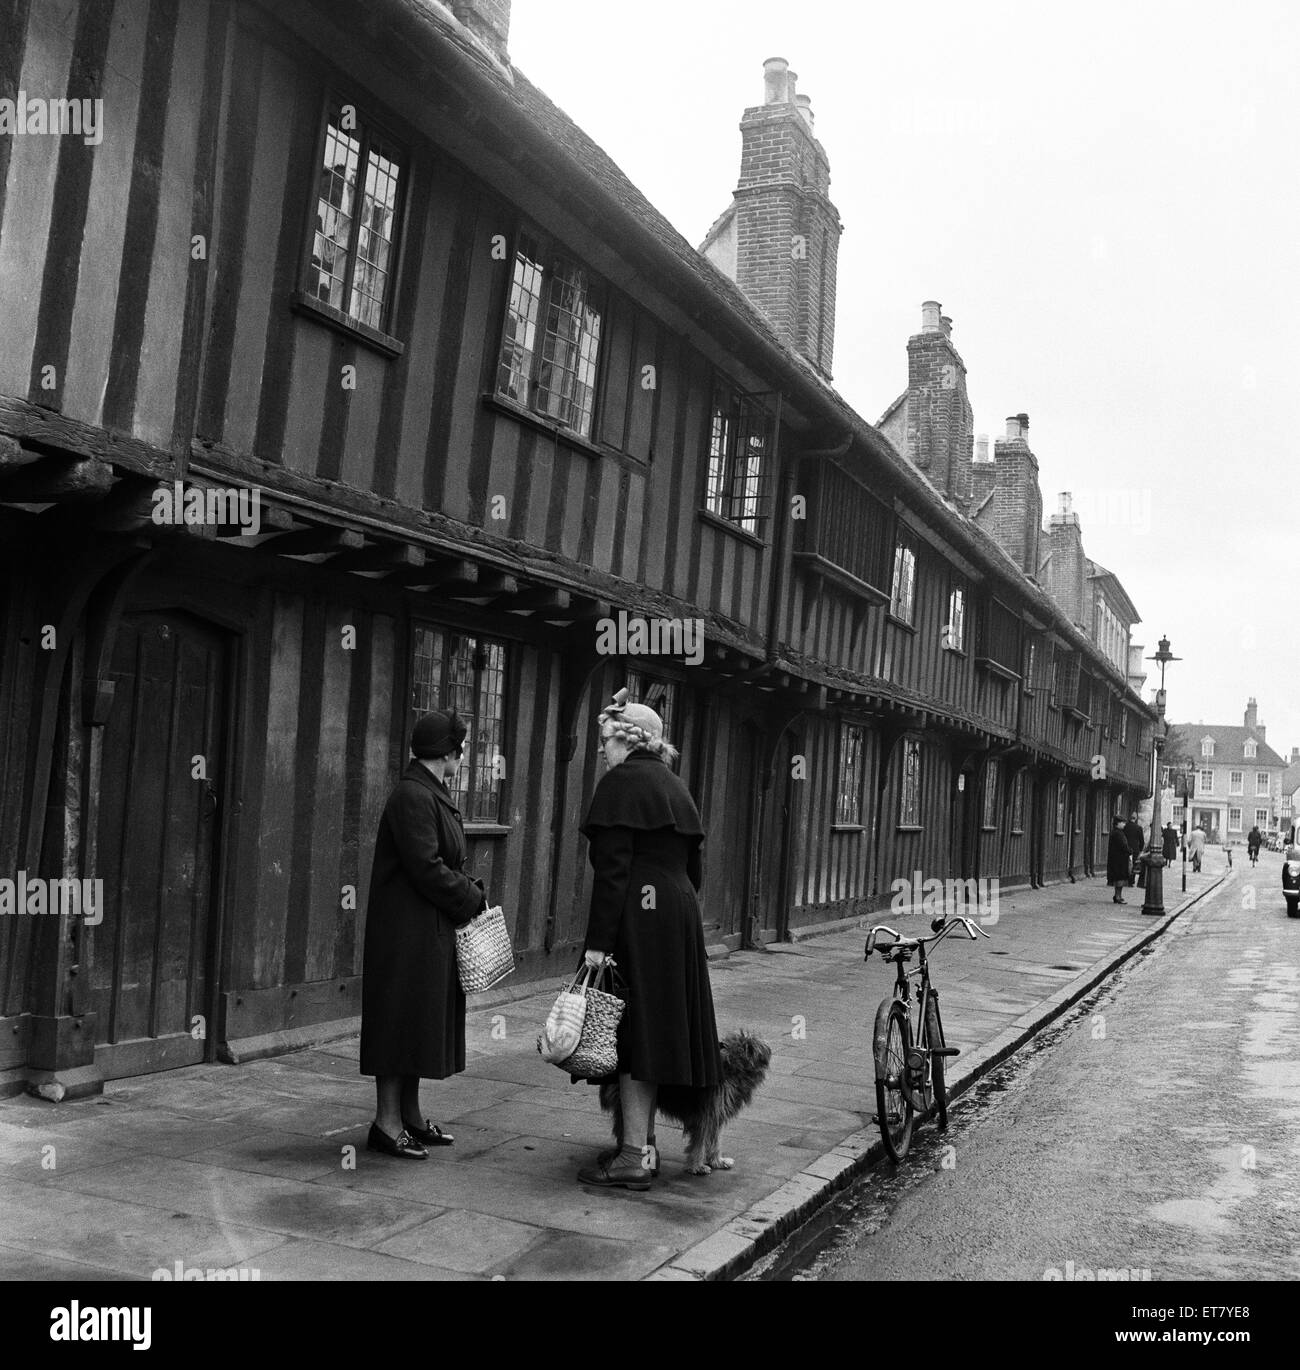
pixel 939 437
pixel 1014 516
pixel 487 20
pixel 779 239
pixel 1252 714
pixel 1066 575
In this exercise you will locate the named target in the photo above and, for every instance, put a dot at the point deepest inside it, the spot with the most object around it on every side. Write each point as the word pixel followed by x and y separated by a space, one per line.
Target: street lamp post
pixel 1154 901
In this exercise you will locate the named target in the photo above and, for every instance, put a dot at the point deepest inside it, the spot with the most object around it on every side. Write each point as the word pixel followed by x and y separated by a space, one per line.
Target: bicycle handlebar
pixel 972 928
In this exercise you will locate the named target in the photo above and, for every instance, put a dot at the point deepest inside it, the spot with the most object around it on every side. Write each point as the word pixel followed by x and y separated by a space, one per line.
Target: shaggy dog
pixel 704 1112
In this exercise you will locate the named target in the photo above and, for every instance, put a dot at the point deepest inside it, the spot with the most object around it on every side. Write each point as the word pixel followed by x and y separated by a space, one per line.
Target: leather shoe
pixel 607 1158
pixel 430 1134
pixel 615 1176
pixel 403 1145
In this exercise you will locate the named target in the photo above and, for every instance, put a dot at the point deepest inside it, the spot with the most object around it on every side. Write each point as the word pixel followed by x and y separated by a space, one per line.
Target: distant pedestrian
pixel 1118 859
pixel 1254 840
pixel 1170 847
pixel 1196 846
pixel 1136 841
pixel 412 1005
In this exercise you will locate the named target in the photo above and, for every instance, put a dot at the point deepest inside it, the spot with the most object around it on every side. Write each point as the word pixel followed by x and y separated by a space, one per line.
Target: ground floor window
pixel 1018 803
pixel 451 670
pixel 1234 820
pixel 849 788
pixel 909 809
pixel 1060 808
pixel 990 816
pixel 1261 818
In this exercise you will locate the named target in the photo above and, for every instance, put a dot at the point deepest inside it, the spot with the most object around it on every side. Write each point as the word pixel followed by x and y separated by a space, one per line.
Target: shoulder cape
pixel 643 793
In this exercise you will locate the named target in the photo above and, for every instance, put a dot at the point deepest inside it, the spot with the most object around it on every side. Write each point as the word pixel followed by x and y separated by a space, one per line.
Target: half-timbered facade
pixel 342 376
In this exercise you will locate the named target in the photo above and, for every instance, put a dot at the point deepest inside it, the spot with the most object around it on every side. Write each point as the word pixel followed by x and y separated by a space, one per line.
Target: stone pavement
pixel 263 1166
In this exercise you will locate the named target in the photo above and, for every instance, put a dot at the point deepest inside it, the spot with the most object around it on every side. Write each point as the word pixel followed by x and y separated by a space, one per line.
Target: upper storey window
pixel 740 445
pixel 902 594
pixel 354 242
pixel 551 344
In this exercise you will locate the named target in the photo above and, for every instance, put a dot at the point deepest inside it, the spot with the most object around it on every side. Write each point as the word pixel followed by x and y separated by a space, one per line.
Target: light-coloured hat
pixel 634 717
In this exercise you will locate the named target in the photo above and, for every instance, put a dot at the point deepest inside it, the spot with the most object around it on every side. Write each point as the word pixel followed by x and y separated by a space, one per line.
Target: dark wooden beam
pixel 452 575
pixel 536 599
pixel 378 556
pixel 54 480
pixel 491 586
pixel 271 519
pixel 319 538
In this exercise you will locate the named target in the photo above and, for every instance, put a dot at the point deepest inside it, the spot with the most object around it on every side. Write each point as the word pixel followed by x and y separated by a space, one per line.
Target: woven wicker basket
pixel 597 1051
pixel 484 956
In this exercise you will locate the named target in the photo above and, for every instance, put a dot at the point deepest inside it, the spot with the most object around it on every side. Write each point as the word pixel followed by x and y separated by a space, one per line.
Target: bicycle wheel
pixel 893 1036
pixel 934 1034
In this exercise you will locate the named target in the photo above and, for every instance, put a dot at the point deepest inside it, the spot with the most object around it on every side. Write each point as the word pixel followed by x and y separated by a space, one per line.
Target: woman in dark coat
pixel 645 836
pixel 412 1005
pixel 1118 857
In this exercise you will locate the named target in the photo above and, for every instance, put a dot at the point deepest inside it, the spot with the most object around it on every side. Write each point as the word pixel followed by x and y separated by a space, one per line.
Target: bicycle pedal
pixel 945 1051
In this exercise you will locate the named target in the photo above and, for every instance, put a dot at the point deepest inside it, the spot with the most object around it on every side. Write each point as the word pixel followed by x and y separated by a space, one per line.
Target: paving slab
pixel 264 1164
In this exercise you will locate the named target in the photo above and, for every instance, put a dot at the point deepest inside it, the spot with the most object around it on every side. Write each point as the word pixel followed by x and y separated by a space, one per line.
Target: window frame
pixel 1261 822
pixel 1061 808
pixel 722 503
pixel 1205 786
pixel 904 547
pixel 550 251
pixel 1234 826
pixel 465 798
pixel 989 806
pixel 910 780
pixel 955 641
pixel 304 296
pixel 1267 791
pixel 844 822
pixel 1236 782
pixel 1018 804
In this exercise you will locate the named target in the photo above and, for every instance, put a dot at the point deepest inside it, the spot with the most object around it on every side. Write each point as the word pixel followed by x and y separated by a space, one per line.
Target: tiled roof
pixel 1229 745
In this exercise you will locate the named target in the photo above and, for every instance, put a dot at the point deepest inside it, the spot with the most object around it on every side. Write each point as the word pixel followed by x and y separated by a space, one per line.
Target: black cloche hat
pixel 437 734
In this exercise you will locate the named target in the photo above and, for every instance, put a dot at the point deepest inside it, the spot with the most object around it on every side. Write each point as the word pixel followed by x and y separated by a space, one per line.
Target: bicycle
pixel 909 1061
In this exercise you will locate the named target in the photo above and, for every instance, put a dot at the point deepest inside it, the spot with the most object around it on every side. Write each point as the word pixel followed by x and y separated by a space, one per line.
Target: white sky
pixel 1103 198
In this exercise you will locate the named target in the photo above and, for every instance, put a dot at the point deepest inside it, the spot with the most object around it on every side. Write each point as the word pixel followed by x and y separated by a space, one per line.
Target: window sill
pixel 726 525
pixel 987 663
pixel 336 319
pixel 910 827
pixel 900 622
pixel 487 830
pixel 848 827
pixel 551 427
pixel 1017 832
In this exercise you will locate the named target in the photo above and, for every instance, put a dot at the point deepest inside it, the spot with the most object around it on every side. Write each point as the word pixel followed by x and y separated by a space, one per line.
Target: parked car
pixel 1291 880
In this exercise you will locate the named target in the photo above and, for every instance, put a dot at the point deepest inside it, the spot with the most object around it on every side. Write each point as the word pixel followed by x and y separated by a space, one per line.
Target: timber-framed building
pixel 346 257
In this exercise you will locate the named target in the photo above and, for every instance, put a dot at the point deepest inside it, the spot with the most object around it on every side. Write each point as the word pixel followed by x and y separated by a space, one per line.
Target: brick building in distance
pixel 1238 778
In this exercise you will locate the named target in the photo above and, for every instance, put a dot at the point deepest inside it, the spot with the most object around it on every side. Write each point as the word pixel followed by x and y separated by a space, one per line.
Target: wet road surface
pixel 1155 1128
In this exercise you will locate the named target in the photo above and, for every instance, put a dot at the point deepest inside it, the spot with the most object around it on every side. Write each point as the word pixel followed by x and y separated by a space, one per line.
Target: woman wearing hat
pixel 412 1005
pixel 645 836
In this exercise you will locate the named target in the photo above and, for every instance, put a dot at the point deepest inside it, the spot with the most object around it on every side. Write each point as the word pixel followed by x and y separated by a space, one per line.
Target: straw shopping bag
pixel 559 1039
pixel 484 956
pixel 596 1054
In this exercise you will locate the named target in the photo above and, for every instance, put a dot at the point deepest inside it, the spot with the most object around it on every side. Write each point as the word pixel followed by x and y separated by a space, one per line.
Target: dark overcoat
pixel 1170 850
pixel 412 1005
pixel 1136 837
pixel 645 836
pixel 1118 857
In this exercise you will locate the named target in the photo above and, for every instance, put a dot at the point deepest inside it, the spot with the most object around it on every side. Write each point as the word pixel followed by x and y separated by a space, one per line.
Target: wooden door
pixel 163 756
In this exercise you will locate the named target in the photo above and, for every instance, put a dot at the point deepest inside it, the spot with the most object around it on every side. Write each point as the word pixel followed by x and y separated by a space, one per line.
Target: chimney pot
pixel 1013 425
pixel 946 324
pixel 982 447
pixel 775 80
pixel 1024 424
pixel 804 102
pixel 931 319
pixel 1065 501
